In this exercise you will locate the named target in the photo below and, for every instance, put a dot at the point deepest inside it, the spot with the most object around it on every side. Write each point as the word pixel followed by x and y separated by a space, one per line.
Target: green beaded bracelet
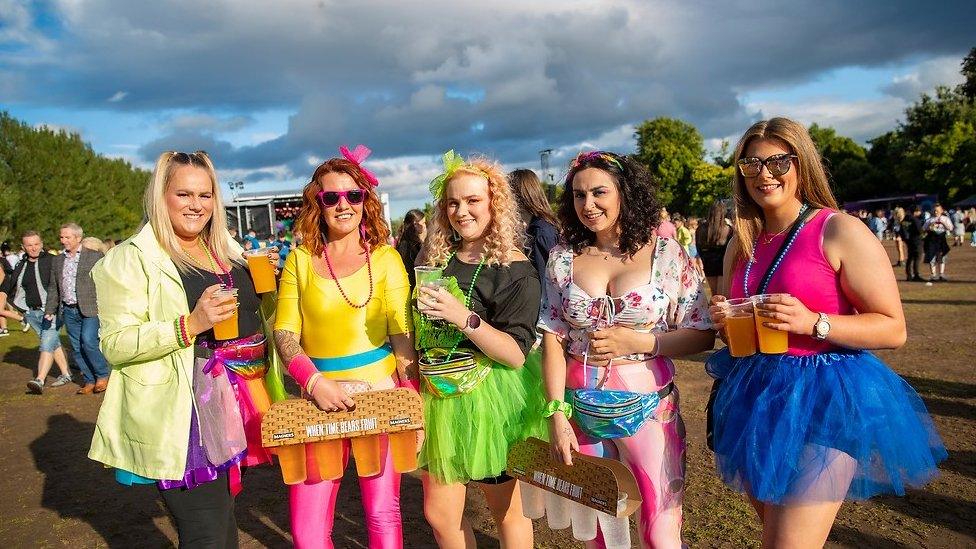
pixel 558 406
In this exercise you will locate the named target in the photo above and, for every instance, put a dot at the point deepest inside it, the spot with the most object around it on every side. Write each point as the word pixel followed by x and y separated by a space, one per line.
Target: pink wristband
pixel 301 368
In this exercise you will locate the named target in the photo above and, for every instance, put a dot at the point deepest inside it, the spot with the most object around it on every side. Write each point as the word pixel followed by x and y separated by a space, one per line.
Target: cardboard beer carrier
pixel 591 481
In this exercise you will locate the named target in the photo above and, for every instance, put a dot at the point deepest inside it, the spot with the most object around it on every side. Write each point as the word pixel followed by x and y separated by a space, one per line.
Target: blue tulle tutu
pixel 824 427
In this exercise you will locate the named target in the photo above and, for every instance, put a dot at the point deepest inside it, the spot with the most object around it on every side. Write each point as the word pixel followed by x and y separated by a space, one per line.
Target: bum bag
pixel 458 375
pixel 614 414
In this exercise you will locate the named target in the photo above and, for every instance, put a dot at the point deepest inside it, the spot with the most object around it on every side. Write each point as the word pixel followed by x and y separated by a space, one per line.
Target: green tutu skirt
pixel 468 436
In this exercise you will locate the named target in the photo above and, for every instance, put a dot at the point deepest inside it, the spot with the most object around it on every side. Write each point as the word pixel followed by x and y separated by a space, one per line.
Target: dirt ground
pixel 51 495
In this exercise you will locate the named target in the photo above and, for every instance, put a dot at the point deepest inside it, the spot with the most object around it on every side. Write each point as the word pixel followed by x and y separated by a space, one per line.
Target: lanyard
pixel 785 247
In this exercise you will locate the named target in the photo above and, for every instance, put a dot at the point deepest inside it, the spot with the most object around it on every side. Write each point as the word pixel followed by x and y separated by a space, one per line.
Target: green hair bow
pixel 452 162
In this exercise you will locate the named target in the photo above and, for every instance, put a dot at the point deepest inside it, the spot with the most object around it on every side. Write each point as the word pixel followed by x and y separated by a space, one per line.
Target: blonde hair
pixel 813 186
pixel 505 233
pixel 214 235
pixel 899 214
pixel 94 244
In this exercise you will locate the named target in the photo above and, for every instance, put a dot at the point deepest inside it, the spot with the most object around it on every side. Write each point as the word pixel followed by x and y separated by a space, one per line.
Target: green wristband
pixel 558 406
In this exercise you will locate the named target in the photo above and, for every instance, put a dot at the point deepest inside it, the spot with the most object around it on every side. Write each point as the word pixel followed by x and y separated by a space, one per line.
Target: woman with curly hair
pixel 483 321
pixel 342 322
pixel 619 302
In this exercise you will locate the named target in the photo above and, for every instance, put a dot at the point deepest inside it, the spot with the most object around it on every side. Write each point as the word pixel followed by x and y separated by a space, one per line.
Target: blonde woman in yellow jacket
pixel 157 311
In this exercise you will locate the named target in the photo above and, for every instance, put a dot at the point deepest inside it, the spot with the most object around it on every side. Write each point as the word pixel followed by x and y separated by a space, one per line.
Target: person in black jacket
pixel 911 233
pixel 408 244
pixel 542 228
pixel 26 290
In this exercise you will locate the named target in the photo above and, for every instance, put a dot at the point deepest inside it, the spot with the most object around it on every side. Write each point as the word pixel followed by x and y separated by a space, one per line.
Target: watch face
pixel 473 321
pixel 822 328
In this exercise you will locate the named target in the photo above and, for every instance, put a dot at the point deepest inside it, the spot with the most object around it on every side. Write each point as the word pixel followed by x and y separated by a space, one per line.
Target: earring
pixel 455 237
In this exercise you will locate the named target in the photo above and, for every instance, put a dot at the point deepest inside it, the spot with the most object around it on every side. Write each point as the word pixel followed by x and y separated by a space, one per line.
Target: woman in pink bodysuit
pixel 801 432
pixel 618 303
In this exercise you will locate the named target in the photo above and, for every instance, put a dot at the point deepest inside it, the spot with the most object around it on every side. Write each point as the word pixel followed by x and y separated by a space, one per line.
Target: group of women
pixel 613 302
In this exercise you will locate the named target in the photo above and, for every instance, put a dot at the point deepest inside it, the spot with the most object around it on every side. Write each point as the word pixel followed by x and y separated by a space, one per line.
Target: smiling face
pixel 468 206
pixel 767 191
pixel 189 201
pixel 596 199
pixel 343 218
pixel 32 246
pixel 70 240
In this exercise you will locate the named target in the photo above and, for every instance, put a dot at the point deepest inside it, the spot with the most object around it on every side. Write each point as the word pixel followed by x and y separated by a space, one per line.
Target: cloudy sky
pixel 272 88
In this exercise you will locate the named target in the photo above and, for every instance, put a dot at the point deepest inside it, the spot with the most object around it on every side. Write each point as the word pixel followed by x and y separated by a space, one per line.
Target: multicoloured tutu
pixel 821 427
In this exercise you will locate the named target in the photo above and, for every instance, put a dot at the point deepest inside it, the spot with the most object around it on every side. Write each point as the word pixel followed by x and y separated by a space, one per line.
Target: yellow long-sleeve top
pixel 338 337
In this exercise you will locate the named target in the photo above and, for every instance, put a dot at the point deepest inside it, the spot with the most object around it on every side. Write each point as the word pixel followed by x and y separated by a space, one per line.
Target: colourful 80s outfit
pixel 347 343
pixel 673 298
pixel 468 435
pixel 149 425
pixel 795 428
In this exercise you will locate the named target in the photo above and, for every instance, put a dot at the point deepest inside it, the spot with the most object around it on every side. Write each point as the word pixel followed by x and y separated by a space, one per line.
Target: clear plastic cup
pixel 226 329
pixel 262 272
pixel 771 342
pixel 557 511
pixel 403 449
pixel 328 458
pixel 533 501
pixel 584 521
pixel 740 327
pixel 366 452
pixel 616 530
pixel 426 275
pixel 292 461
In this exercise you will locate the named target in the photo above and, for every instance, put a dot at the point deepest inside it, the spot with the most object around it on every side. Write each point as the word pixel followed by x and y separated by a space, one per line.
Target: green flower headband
pixel 452 163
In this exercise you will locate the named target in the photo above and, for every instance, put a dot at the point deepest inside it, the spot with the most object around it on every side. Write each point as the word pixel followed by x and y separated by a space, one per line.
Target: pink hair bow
pixel 357 156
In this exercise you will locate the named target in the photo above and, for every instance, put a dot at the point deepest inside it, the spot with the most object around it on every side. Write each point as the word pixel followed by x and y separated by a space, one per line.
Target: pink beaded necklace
pixel 369 269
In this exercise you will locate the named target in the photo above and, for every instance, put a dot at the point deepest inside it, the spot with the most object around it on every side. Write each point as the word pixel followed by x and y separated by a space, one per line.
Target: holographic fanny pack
pixel 614 414
pixel 447 375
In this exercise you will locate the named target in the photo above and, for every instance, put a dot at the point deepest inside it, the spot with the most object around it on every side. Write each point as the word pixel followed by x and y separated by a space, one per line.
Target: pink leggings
pixel 313 507
pixel 655 454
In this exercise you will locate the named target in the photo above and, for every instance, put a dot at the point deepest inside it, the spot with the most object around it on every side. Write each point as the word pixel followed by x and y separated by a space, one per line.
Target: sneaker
pixel 26 326
pixel 36 386
pixel 4 332
pixel 942 278
pixel 917 279
pixel 62 380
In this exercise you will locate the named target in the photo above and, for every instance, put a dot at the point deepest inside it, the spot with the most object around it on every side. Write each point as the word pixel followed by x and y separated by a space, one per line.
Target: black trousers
pixel 914 257
pixel 204 515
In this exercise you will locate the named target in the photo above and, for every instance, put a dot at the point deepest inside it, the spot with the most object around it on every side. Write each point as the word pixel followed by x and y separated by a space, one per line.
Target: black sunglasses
pixel 331 198
pixel 777 164
pixel 189 158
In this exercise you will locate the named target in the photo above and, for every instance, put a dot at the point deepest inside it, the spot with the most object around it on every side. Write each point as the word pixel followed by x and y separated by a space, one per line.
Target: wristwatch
pixel 472 323
pixel 821 328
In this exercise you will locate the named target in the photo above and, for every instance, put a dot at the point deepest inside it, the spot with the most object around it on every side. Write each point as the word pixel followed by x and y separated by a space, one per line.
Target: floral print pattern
pixel 674 298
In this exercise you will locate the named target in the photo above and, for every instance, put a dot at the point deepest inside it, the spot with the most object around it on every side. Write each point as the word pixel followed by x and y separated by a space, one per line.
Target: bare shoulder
pixel 847 237
pixel 842 227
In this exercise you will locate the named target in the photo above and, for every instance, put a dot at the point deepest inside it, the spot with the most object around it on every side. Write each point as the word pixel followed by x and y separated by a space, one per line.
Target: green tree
pixel 846 161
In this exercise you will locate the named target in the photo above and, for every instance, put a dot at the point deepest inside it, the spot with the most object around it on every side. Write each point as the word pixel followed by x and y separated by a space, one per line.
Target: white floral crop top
pixel 673 298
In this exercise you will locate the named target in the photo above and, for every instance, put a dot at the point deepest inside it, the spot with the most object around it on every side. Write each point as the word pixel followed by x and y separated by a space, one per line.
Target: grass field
pixel 51 495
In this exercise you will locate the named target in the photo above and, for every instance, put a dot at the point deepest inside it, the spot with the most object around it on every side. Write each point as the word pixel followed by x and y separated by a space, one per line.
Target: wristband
pixel 182 339
pixel 312 381
pixel 302 369
pixel 558 406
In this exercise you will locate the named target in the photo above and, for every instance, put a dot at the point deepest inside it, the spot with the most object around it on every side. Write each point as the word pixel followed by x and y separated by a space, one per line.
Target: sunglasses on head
pixel 331 198
pixel 777 164
pixel 189 158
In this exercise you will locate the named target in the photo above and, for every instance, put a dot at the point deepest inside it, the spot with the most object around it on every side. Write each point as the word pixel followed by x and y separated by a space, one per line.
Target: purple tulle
pixel 199 470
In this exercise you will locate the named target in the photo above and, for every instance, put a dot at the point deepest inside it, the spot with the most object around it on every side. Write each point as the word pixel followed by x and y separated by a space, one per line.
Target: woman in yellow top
pixel 342 315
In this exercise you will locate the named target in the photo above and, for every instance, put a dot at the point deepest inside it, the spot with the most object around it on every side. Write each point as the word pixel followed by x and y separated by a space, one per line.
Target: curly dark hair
pixel 640 211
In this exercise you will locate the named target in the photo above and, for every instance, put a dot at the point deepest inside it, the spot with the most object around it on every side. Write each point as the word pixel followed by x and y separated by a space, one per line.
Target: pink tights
pixel 313 507
pixel 655 454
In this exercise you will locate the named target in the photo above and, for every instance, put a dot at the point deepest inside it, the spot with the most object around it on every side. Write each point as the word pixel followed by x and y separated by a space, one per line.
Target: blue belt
pixel 352 361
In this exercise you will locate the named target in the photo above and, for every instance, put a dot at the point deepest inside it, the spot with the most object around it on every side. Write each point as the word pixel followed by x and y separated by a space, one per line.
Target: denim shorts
pixel 46 329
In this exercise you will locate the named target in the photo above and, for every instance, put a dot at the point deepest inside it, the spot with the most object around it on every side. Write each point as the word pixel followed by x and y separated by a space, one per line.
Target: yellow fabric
pixel 311 306
pixel 144 422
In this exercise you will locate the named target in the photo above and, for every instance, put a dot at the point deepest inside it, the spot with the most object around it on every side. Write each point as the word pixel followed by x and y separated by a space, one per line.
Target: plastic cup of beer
pixel 771 342
pixel 403 448
pixel 740 327
pixel 328 458
pixel 262 272
pixel 425 276
pixel 226 329
pixel 366 452
pixel 292 461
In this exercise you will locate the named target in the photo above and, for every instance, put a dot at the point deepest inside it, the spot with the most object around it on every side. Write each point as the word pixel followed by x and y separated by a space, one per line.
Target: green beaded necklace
pixel 467 297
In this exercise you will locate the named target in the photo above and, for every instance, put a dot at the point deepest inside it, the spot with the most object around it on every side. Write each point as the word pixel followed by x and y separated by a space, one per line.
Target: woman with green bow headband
pixel 480 378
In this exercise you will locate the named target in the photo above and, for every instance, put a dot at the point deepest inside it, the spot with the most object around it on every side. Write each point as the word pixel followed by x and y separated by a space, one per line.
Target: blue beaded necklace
pixel 797 225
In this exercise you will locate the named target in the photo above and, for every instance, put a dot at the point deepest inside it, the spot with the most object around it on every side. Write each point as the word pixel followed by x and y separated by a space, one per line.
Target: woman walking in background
pixel 541 227
pixel 408 244
pixel 712 238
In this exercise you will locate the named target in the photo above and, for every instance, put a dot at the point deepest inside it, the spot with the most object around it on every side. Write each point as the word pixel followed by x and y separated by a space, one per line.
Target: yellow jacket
pixel 144 422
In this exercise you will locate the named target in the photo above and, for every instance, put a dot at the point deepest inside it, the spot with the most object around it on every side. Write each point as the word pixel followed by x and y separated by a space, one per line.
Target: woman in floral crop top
pixel 618 302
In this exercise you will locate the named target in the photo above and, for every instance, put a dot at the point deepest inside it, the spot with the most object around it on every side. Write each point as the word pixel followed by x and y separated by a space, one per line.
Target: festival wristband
pixel 312 381
pixel 558 406
pixel 302 369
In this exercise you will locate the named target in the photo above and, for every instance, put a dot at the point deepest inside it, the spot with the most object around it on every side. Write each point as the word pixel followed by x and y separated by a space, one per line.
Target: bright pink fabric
pixel 804 273
pixel 313 507
pixel 301 368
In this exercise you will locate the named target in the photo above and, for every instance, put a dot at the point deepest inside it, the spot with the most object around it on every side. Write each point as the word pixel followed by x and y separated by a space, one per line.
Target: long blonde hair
pixel 505 233
pixel 214 235
pixel 812 183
